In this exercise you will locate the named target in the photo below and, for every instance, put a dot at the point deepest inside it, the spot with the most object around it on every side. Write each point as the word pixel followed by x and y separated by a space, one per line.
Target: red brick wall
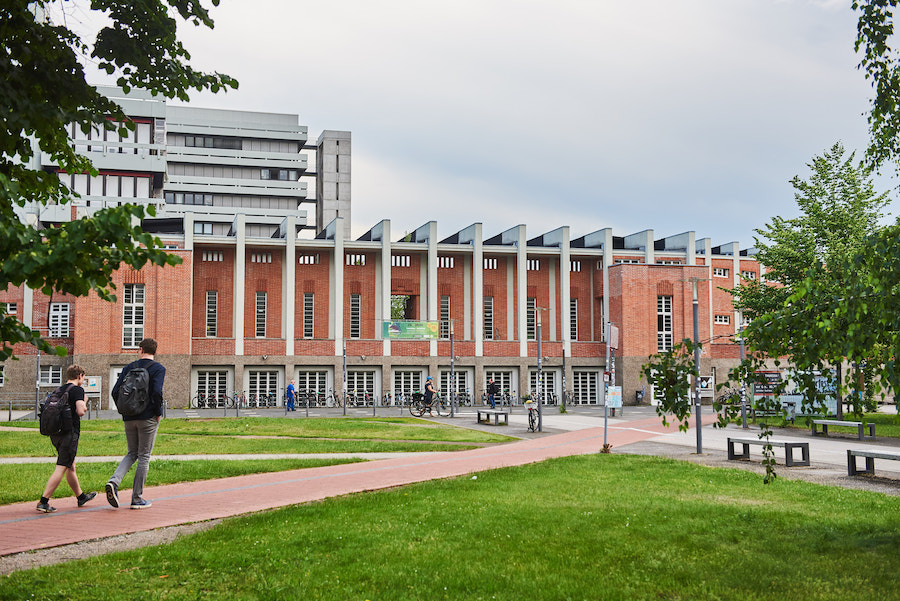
pixel 218 276
pixel 315 279
pixel 495 283
pixel 263 277
pixel 451 282
pixel 167 311
pixel 360 279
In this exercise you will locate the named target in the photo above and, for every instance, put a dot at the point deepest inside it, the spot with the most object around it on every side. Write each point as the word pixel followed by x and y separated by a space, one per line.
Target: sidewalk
pixel 24 529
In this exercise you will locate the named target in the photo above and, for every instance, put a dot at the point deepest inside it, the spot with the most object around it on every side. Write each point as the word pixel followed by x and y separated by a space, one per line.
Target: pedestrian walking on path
pixel 66 443
pixel 140 429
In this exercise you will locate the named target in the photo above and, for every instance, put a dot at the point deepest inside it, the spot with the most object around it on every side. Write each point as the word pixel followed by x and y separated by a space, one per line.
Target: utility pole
pixel 694 282
pixel 452 373
pixel 540 380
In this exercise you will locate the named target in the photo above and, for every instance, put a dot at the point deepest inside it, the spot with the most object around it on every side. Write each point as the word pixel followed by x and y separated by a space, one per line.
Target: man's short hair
pixel 73 372
pixel 148 346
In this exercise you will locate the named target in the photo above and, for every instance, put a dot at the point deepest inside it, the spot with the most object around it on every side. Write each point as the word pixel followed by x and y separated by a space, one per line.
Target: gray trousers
pixel 140 434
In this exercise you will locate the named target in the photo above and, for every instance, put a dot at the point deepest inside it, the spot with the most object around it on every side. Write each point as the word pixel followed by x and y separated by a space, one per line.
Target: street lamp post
pixel 695 281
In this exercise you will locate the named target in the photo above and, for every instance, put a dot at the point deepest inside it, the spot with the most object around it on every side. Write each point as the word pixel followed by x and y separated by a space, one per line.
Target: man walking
pixel 493 389
pixel 140 430
pixel 66 444
pixel 291 397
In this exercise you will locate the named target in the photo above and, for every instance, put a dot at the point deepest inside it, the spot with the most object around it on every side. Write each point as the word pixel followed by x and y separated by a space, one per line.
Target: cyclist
pixel 429 394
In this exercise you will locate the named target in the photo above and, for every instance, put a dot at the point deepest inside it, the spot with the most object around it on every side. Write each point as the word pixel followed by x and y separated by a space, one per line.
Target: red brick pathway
pixel 23 529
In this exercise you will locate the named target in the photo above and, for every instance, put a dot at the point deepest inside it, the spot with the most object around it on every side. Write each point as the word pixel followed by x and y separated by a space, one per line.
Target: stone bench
pixel 871 456
pixel 787 446
pixel 493 412
pixel 835 422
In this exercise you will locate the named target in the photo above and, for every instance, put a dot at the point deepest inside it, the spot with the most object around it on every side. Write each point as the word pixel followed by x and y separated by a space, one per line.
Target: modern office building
pixel 266 293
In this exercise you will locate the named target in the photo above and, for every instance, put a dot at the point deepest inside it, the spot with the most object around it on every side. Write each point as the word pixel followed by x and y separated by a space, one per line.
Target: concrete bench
pixel 787 446
pixel 835 422
pixel 496 413
pixel 871 456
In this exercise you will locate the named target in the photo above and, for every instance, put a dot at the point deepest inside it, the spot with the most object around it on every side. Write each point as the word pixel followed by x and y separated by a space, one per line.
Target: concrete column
pixel 240 284
pixel 472 235
pixel 565 292
pixel 521 288
pixel 337 287
pixel 289 284
pixel 385 285
pixel 432 281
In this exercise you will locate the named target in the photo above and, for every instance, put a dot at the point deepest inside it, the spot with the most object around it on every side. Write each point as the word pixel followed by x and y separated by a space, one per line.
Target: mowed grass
pixel 261 435
pixel 21 482
pixel 887 425
pixel 592 527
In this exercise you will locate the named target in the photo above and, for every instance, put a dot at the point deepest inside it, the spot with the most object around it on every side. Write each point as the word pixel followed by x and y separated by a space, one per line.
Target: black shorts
pixel 66 446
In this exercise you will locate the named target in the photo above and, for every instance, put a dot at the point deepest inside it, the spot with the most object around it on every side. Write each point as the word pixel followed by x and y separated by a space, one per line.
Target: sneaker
pixel 85 497
pixel 112 494
pixel 45 508
pixel 142 504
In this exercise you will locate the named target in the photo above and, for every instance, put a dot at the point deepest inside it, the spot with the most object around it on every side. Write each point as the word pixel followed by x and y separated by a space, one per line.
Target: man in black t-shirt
pixel 66 444
pixel 493 389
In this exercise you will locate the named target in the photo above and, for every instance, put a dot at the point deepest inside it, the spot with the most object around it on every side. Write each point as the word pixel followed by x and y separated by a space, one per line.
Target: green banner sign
pixel 411 330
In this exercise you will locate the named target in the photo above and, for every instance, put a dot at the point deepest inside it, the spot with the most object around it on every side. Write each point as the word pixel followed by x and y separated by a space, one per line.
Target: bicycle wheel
pixel 417 408
pixel 532 420
pixel 442 406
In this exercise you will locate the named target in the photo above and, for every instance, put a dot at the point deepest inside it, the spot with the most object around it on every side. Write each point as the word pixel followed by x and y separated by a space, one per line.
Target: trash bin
pixel 638 397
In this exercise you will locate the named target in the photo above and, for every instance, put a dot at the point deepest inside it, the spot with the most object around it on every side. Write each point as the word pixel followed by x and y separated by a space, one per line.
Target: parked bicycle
pixel 532 415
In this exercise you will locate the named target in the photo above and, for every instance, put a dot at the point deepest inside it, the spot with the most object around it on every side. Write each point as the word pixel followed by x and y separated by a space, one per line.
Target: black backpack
pixel 56 414
pixel 134 392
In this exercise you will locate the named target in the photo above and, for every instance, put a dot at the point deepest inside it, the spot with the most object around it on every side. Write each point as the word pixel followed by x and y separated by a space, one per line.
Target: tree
pixel 875 29
pixel 42 90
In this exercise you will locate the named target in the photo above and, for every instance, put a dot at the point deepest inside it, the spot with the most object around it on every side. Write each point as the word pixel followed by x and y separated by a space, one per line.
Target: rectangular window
pixel 133 319
pixel 407 382
pixel 627 261
pixel 263 388
pixel 51 375
pixel 748 275
pixel 399 260
pixel 212 384
pixel 530 318
pixel 260 257
pixel 203 228
pixel 2 375
pixel 212 310
pixel 533 264
pixel 448 387
pixel 361 382
pixel 10 308
pixel 356 259
pixel 664 323
pixel 260 314
pixel 722 319
pixel 668 262
pixel 59 320
pixel 745 321
pixel 213 255
pixel 309 259
pixel 490 263
pixel 488 317
pixel 573 319
pixel 308 313
pixel 355 329
pixel 445 317
pixel 574 265
pixel 445 262
pixel 720 272
pixel 503 379
pixel 313 382
pixel 585 388
pixel 548 387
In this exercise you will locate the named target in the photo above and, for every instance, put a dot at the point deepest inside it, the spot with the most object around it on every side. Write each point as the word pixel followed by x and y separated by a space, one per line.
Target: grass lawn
pixel 592 527
pixel 231 435
pixel 25 481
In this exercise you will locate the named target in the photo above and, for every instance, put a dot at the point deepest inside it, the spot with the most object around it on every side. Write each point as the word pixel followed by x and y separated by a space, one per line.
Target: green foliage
pixel 42 91
pixel 671 373
pixel 875 29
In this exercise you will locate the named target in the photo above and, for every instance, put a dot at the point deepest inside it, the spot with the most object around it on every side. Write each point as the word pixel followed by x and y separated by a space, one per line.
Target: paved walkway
pixel 24 529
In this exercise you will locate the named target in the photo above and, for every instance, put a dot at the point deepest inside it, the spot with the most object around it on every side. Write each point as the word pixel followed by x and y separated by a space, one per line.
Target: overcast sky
pixel 648 114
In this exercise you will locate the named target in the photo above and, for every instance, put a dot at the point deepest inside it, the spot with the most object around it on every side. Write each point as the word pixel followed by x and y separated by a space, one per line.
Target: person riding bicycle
pixel 429 394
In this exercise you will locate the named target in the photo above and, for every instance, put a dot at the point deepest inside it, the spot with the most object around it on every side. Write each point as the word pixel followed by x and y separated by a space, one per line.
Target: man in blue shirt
pixel 291 397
